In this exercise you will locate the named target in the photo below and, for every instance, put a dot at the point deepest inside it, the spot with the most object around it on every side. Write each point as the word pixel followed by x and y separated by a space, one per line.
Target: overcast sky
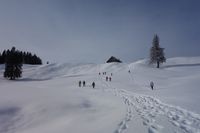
pixel 93 30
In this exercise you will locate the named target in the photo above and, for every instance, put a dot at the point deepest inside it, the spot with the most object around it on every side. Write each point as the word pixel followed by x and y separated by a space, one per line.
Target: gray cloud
pixel 93 30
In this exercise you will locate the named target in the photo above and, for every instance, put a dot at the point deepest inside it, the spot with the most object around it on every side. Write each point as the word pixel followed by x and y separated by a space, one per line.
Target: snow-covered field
pixel 48 100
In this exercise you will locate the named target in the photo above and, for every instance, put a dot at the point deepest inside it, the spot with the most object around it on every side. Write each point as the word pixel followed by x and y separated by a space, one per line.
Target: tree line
pixel 14 59
pixel 26 57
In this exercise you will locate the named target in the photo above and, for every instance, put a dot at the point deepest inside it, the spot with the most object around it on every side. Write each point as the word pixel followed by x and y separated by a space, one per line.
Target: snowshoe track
pixel 150 109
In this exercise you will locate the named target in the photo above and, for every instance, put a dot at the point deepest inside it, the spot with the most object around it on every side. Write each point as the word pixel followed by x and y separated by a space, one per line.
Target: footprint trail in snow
pixel 152 111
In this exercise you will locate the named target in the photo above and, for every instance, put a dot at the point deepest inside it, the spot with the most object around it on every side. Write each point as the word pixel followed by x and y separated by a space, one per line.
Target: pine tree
pixel 13 64
pixel 156 53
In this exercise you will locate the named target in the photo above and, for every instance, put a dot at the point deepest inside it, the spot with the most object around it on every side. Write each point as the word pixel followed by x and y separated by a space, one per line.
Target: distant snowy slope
pixel 47 98
pixel 50 71
pixel 177 81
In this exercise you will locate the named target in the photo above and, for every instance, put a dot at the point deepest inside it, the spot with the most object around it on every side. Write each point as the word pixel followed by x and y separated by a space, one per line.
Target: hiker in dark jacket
pixel 106 78
pixel 93 85
pixel 79 83
pixel 83 83
pixel 109 78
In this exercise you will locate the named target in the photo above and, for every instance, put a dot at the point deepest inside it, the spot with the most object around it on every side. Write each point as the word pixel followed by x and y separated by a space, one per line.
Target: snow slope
pixel 48 100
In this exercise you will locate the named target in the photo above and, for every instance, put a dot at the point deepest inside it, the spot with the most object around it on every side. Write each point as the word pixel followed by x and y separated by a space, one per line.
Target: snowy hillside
pixel 48 100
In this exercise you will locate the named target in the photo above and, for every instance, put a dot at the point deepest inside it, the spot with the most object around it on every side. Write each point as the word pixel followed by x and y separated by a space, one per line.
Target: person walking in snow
pixel 152 85
pixel 83 83
pixel 79 83
pixel 111 74
pixel 93 85
pixel 129 71
pixel 106 78
pixel 110 79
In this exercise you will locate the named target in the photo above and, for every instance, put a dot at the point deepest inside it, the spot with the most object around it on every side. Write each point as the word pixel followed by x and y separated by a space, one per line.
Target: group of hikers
pixel 104 73
pixel 107 78
pixel 84 83
pixel 110 79
pixel 79 83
